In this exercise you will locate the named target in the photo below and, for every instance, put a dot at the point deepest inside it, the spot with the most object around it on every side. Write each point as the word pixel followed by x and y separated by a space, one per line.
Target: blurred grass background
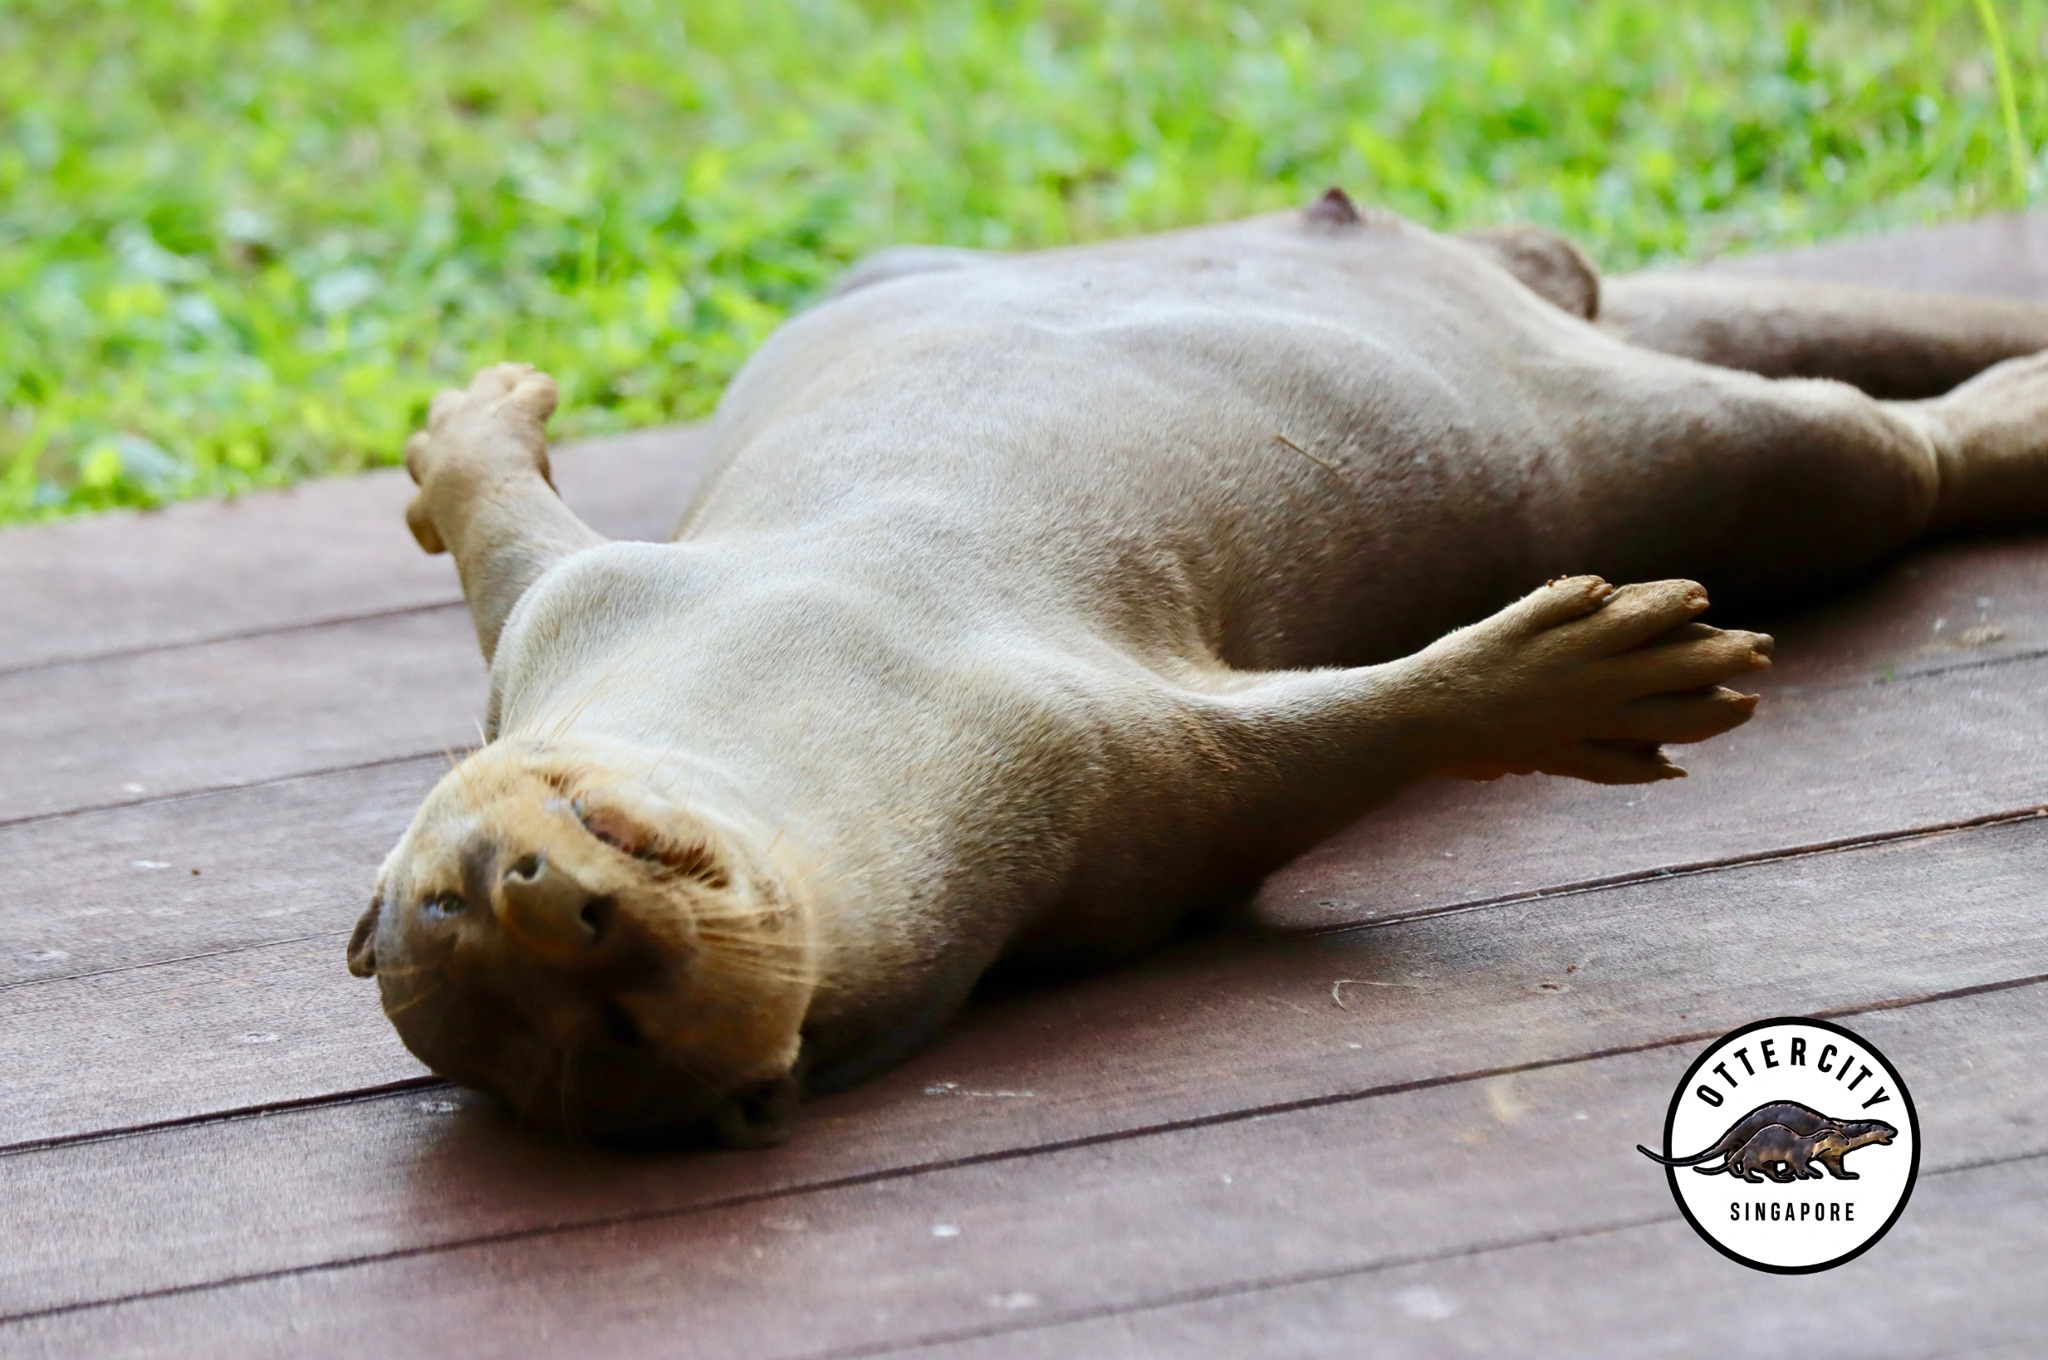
pixel 242 243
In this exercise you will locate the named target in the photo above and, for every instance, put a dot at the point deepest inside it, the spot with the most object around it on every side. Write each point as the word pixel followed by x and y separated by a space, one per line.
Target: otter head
pixel 1858 1133
pixel 551 930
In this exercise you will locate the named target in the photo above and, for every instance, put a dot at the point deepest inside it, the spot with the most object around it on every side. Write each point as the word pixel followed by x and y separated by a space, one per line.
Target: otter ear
pixel 362 945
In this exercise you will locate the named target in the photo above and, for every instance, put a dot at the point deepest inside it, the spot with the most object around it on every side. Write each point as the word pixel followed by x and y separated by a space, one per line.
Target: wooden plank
pixel 1207 1032
pixel 219 1032
pixel 154 724
pixel 1817 764
pixel 1347 1189
pixel 1958 1276
pixel 116 889
pixel 2005 256
pixel 323 550
pixel 1961 603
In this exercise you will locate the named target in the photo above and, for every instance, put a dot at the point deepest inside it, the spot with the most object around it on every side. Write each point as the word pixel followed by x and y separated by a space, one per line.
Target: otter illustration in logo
pixel 1783 1140
pixel 1773 1190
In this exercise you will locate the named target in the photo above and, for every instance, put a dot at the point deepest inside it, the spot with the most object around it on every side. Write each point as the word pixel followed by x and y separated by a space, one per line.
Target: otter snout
pixel 548 942
pixel 550 911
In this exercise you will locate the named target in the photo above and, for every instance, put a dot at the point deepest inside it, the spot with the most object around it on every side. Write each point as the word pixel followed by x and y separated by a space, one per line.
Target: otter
pixel 1033 604
pixel 1788 1129
pixel 1784 1156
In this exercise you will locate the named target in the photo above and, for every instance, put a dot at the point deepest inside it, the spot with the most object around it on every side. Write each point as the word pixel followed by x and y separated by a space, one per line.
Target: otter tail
pixel 1685 1161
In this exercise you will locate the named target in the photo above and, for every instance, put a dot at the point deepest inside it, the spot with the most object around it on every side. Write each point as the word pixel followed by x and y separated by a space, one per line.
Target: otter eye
pixel 443 904
pixel 607 829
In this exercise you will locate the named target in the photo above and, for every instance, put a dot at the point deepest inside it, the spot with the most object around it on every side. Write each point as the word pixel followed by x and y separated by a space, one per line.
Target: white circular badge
pixel 1791 1145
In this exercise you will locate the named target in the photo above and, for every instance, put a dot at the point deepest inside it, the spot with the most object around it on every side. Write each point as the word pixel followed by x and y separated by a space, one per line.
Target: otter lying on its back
pixel 1033 602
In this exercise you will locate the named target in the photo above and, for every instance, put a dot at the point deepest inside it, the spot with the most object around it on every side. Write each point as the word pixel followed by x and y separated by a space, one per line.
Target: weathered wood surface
pixel 287 559
pixel 283 861
pixel 153 725
pixel 1957 1277
pixel 278 677
pixel 1335 1192
pixel 1214 1032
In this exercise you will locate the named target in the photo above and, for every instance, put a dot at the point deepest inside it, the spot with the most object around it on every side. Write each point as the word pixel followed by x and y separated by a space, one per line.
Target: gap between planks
pixel 212 790
pixel 55 663
pixel 1691 869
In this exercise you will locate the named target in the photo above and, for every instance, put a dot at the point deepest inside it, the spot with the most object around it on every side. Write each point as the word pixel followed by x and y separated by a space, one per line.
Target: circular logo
pixel 1791 1145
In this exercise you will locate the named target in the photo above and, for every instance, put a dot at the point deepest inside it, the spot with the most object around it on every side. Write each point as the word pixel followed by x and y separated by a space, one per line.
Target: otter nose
pixel 548 910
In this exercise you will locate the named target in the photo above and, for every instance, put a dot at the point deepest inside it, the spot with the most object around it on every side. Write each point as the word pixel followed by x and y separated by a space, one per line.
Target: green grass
pixel 242 243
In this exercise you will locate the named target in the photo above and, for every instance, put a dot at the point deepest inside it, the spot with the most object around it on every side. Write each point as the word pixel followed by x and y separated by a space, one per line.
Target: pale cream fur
pixel 1033 602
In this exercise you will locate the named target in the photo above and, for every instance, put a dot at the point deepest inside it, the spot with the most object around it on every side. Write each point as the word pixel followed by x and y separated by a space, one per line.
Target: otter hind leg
pixel 1771 488
pixel 1890 344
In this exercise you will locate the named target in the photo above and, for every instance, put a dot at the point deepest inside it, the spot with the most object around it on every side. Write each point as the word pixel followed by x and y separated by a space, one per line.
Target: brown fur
pixel 1035 601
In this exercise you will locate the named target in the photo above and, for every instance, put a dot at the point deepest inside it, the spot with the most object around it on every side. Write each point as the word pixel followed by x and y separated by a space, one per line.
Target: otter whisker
pixel 455 767
pixel 740 958
pixel 746 965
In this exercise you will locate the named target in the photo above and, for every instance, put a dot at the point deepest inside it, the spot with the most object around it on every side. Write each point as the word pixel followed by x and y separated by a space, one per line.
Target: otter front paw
pixel 1589 680
pixel 496 427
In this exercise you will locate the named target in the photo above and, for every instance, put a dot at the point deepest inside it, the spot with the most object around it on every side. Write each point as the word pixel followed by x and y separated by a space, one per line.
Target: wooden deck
pixel 214 721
